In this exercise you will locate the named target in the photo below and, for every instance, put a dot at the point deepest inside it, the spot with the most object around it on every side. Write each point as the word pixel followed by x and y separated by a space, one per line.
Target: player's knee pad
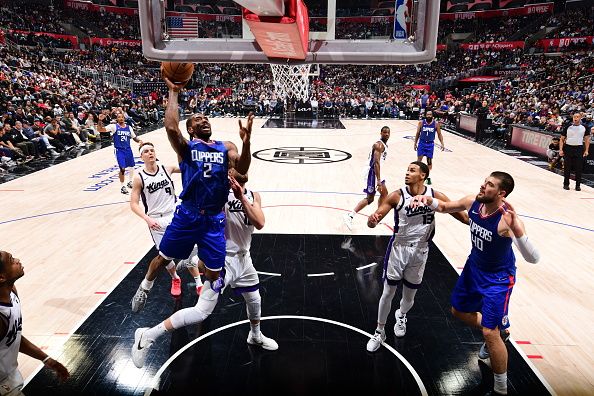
pixel 253 303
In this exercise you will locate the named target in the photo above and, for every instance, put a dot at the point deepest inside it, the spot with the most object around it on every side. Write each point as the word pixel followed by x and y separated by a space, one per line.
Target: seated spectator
pixel 553 154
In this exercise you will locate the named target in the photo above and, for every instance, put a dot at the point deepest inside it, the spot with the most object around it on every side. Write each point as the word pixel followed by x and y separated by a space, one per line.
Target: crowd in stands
pixel 573 23
pixel 47 109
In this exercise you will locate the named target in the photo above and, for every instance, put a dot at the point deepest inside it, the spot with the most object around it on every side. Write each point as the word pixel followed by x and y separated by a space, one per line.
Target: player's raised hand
pixel 171 85
pixel 508 213
pixel 245 133
pixel 419 200
pixel 235 187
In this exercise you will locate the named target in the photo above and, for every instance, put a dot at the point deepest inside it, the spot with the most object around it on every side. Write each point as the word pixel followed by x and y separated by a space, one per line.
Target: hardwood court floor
pixel 77 237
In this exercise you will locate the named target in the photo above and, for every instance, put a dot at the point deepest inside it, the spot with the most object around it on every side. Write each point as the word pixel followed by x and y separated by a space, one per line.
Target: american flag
pixel 182 27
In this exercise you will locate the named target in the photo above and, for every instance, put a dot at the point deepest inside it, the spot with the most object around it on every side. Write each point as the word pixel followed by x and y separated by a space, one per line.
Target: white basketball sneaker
pixel 376 341
pixel 348 221
pixel 400 326
pixel 139 351
pixel 263 341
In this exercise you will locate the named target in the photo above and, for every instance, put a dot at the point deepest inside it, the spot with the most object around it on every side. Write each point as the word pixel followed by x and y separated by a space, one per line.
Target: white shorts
pixel 406 261
pixel 163 221
pixel 12 385
pixel 240 271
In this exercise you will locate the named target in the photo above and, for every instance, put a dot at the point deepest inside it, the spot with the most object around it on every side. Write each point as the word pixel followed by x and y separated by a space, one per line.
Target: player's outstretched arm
pixel 174 134
pixel 439 135
pixel 443 207
pixel 384 208
pixel 418 134
pixel 461 216
pixel 30 349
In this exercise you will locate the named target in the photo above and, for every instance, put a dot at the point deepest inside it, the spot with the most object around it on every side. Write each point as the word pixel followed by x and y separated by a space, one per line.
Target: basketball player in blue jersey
pixel 154 186
pixel 199 219
pixel 373 178
pixel 425 139
pixel 408 249
pixel 11 326
pixel 122 134
pixel 481 295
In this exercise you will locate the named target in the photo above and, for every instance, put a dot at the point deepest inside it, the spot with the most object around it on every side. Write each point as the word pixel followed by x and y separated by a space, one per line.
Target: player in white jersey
pixel 243 211
pixel 154 187
pixel 373 180
pixel 407 251
pixel 11 324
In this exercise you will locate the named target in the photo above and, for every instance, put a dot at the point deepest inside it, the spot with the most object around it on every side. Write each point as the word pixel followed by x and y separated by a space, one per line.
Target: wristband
pixel 434 204
pixel 46 359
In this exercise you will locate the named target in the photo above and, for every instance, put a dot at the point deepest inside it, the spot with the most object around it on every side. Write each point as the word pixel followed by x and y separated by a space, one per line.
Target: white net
pixel 291 81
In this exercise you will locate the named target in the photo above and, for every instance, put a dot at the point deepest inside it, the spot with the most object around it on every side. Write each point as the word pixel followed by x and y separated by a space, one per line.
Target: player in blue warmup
pixel 481 295
pixel 122 133
pixel 199 219
pixel 425 139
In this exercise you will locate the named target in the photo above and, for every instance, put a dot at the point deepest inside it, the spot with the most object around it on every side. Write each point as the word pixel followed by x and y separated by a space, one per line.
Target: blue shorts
pixel 484 292
pixel 189 228
pixel 125 158
pixel 370 188
pixel 425 149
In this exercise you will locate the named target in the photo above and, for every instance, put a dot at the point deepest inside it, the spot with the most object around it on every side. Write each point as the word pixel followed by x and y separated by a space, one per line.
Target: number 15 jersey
pixel 414 225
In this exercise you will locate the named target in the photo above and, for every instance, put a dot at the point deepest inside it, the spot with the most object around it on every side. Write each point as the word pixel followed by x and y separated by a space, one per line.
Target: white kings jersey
pixel 413 225
pixel 238 230
pixel 157 193
pixel 10 344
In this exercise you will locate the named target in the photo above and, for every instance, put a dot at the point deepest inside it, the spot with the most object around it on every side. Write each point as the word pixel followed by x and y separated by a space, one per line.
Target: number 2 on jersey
pixel 207 169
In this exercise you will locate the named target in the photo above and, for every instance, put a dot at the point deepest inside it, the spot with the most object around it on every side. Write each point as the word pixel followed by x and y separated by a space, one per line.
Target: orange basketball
pixel 177 72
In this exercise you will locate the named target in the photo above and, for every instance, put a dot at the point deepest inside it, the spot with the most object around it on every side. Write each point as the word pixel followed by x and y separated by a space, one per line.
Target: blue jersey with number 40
pixel 490 251
pixel 204 170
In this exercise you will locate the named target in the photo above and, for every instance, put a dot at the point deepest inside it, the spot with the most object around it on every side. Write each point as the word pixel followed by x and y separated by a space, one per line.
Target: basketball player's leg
pixel 496 289
pixel 247 284
pixel 368 200
pixel 170 266
pixel 392 275
pixel 121 160
pixel 178 241
pixel 412 278
pixel 466 299
pixel 130 166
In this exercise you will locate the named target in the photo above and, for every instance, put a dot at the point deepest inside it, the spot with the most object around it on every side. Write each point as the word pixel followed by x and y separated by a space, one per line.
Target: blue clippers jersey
pixel 490 251
pixel 121 137
pixel 204 175
pixel 428 131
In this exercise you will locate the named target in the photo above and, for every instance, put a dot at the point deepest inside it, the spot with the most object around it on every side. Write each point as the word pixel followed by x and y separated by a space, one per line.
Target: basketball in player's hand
pixel 178 73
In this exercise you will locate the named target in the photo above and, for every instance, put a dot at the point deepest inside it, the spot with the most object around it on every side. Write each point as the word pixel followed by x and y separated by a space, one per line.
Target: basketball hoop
pixel 291 81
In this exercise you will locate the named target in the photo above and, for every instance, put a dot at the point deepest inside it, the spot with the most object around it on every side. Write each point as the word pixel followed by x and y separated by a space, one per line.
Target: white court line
pixel 267 273
pixel 410 368
pixel 321 274
pixel 366 266
pixel 513 343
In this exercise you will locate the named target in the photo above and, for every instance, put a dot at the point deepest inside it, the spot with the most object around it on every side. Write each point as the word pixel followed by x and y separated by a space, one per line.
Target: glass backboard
pixel 340 32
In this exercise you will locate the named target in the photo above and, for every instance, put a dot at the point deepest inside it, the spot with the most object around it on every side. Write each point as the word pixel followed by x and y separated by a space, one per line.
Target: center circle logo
pixel 302 155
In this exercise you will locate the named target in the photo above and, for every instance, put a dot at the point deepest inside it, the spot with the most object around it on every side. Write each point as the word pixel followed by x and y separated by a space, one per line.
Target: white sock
pixel 380 328
pixel 399 313
pixel 352 214
pixel 147 284
pixel 153 333
pixel 255 329
pixel 169 267
pixel 130 174
pixel 500 385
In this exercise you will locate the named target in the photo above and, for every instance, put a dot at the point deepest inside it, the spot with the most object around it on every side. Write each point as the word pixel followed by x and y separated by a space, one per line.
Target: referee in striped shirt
pixel 574 145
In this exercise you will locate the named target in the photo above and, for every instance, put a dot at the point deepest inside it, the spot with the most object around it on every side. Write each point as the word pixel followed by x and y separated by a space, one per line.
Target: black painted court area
pixel 313 357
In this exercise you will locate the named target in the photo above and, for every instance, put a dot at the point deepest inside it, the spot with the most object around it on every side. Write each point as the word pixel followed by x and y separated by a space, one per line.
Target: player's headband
pixel 146 147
